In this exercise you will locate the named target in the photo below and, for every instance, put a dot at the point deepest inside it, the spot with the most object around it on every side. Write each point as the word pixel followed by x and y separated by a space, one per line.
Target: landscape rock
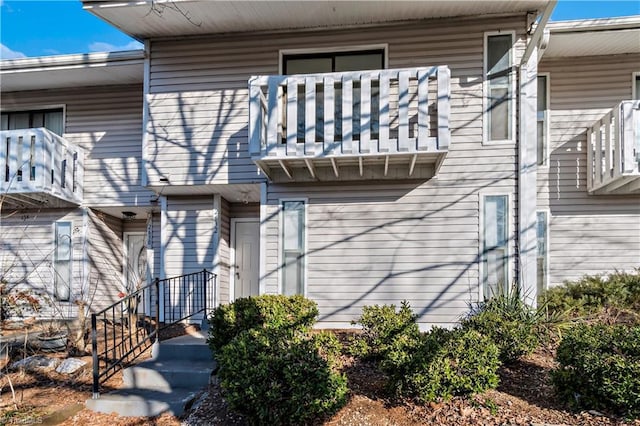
pixel 36 362
pixel 70 365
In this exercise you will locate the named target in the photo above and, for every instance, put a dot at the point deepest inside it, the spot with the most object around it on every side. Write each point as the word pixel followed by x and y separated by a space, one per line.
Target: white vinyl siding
pixel 495 245
pixel 293 247
pixel 62 277
pixel 587 234
pixel 499 88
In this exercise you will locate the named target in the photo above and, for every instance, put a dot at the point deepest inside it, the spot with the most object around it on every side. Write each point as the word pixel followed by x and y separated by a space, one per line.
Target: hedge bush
pixel 599 368
pixel 444 364
pixel 275 379
pixel 385 328
pixel 274 312
pixel 509 322
pixel 591 293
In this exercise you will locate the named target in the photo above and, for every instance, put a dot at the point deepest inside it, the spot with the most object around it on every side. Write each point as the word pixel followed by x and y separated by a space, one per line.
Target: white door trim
pixel 125 255
pixel 232 252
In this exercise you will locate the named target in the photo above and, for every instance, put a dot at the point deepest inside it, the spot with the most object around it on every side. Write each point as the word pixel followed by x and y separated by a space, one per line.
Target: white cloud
pixel 100 46
pixel 6 53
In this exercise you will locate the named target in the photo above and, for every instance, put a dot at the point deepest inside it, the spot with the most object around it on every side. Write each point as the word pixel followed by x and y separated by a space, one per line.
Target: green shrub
pixel 386 329
pixel 592 293
pixel 274 312
pixel 274 378
pixel 599 368
pixel 509 322
pixel 445 363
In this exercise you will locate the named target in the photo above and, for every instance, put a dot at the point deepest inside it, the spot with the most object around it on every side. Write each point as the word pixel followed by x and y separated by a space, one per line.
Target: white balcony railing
pixel 360 118
pixel 37 165
pixel 613 151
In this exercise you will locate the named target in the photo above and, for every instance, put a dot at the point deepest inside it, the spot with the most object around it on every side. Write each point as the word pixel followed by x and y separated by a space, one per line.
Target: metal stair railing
pixel 131 325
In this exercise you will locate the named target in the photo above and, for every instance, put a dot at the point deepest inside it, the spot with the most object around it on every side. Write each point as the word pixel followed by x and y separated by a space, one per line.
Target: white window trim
pixel 36 107
pixel 510 237
pixel 547 236
pixel 485 90
pixel 305 253
pixel 547 124
pixel 634 76
pixel 232 251
pixel 335 49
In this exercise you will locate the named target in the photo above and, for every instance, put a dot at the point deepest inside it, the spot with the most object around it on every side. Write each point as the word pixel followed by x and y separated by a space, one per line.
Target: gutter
pixel 125 57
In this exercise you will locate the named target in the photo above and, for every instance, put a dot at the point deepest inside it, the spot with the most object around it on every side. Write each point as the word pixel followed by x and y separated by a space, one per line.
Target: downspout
pixel 527 162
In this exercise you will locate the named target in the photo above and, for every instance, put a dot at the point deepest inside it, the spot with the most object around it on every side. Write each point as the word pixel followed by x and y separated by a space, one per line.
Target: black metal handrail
pixel 132 324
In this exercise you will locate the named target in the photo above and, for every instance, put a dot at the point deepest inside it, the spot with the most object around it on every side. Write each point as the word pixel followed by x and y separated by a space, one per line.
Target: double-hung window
pixel 495 245
pixel 328 62
pixel 62 272
pixel 499 90
pixel 543 120
pixel 293 247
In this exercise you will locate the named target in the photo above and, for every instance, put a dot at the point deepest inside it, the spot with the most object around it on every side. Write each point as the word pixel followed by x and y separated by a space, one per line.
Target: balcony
pixel 41 169
pixel 613 151
pixel 381 124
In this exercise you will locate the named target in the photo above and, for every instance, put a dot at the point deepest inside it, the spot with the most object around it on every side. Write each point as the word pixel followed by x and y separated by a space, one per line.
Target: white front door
pixel 135 267
pixel 246 266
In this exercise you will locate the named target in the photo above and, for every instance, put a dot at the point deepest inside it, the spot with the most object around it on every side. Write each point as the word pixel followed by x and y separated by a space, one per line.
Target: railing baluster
pixel 403 111
pixel 444 93
pixel 310 117
pixel 590 168
pixel 292 115
pixel 383 138
pixel 424 142
pixel 273 140
pixel 329 116
pixel 626 134
pixel 607 147
pixel 347 115
pixel 598 156
pixel 365 114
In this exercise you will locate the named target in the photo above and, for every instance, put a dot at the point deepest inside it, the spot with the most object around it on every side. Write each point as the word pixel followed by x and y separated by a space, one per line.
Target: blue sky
pixel 42 28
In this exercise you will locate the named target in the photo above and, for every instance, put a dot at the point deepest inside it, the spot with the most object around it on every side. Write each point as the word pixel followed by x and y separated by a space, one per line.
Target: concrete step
pixel 188 347
pixel 143 402
pixel 168 375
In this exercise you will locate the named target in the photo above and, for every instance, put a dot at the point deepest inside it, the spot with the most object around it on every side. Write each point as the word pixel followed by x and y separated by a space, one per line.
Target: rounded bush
pixel 386 329
pixel 510 323
pixel 275 379
pixel 445 363
pixel 599 368
pixel 287 314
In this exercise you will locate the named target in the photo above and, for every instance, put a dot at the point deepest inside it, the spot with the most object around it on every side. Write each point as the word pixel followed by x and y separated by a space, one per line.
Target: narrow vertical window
pixel 542 258
pixel 32 159
pixel 636 86
pixel 62 261
pixel 543 121
pixel 19 159
pixel 293 247
pixel 63 173
pixel 75 171
pixel 499 88
pixel 7 154
pixel 495 253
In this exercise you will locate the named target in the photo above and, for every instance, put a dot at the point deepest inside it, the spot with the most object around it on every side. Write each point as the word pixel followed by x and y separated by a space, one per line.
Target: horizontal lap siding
pixel 368 242
pixel 199 103
pixel 189 235
pixel 107 123
pixel 27 255
pixel 588 233
pixel 105 259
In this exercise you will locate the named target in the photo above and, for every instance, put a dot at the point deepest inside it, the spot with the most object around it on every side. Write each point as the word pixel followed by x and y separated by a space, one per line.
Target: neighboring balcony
pixel 613 151
pixel 40 169
pixel 379 124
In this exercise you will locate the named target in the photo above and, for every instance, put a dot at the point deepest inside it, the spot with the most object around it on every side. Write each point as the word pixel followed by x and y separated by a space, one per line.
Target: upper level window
pixel 499 105
pixel 51 119
pixel 313 63
pixel 636 85
pixel 543 119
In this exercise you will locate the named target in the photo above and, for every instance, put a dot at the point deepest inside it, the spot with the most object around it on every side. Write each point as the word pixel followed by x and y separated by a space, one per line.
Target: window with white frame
pixel 636 86
pixel 499 102
pixel 328 62
pixel 293 247
pixel 543 120
pixel 495 249
pixel 542 256
pixel 51 119
pixel 62 273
